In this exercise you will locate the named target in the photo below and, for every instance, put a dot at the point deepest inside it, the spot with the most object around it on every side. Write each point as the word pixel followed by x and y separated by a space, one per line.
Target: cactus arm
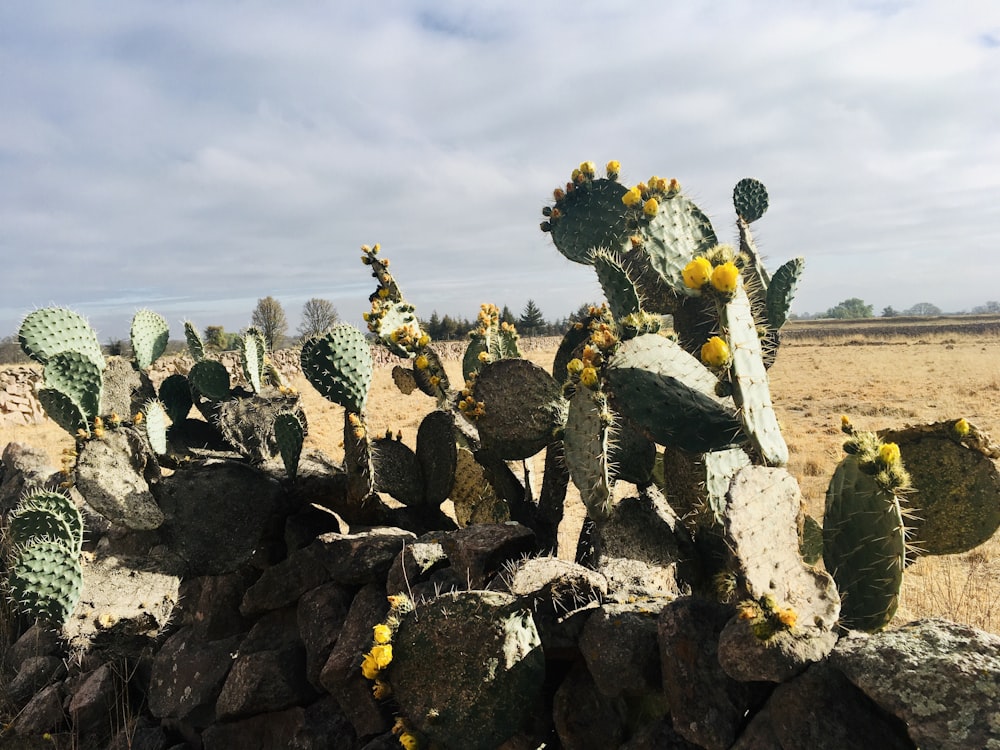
pixel 149 334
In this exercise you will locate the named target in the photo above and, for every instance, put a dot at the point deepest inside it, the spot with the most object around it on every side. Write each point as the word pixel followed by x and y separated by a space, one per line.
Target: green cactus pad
pixel 175 395
pixel 79 377
pixel 811 540
pixel 62 506
pixel 571 345
pixel 437 453
pixel 863 546
pixel 398 471
pixel 670 395
pixel 194 343
pixel 46 580
pixel 781 291
pixel 524 408
pixel 339 366
pixel 749 379
pixel 397 317
pixel 471 363
pixel 252 352
pixel 586 443
pixel 63 410
pixel 474 498
pixel 289 435
pixel 750 199
pixel 405 379
pixel 435 368
pixel 30 523
pixel 956 503
pixel 632 455
pixel 673 237
pixel 592 216
pixel 150 334
pixel 156 423
pixel 619 288
pixel 51 330
pixel 358 458
pixel 210 379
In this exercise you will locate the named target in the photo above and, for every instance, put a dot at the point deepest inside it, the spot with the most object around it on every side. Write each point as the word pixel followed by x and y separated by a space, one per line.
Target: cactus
pixel 46 579
pixel 195 345
pixel 57 504
pixel 339 365
pixel 210 379
pixel 150 335
pixel 46 332
pixel 586 442
pixel 289 434
pixel 155 420
pixel 253 351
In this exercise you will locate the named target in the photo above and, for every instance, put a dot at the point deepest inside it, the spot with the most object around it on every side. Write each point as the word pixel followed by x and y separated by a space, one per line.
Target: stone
pixel 941 678
pixel 23 468
pixel 265 682
pixel 282 584
pixel 585 718
pixel 619 644
pixel 629 580
pixel 44 713
pixel 34 673
pixel 467 668
pixel 217 515
pixel 341 675
pixel 707 705
pixel 37 640
pixel 272 630
pixel 821 710
pixel 142 735
pixel 187 676
pixel 360 558
pixel 211 605
pixel 321 615
pixel 659 735
pixel 477 553
pixel 93 701
pixel 414 565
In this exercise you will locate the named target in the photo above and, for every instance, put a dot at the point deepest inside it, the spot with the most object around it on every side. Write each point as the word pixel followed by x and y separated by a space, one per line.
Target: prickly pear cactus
pixel 339 366
pixel 46 579
pixel 150 334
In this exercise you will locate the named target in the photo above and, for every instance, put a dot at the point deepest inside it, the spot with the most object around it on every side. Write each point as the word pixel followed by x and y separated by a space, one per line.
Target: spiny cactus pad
pixel 586 441
pixel 79 377
pixel 750 199
pixel 339 366
pixel 195 345
pixel 55 329
pixel 592 216
pixel 210 379
pixel 781 291
pixel 289 435
pixel 618 286
pixel 674 236
pixel 46 580
pixel 60 505
pixel 149 334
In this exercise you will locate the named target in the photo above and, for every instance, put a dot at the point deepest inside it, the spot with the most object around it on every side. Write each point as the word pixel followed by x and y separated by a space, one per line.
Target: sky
pixel 193 157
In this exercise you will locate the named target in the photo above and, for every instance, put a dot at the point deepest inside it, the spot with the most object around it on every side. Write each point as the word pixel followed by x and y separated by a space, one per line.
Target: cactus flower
pixel 633 197
pixel 588 168
pixel 574 366
pixel 888 453
pixel 369 667
pixel 725 277
pixel 961 428
pixel 697 273
pixel 715 352
pixel 382 655
pixel 588 377
pixel 613 167
pixel 382 633
pixel 409 741
pixel 381 690
pixel 421 362
pixel 650 207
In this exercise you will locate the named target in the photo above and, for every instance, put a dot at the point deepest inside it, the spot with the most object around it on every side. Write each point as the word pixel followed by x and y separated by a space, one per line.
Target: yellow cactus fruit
pixel 484 357
pixel 588 168
pixel 382 654
pixel 369 667
pixel 961 428
pixel 588 377
pixel 725 277
pixel 650 207
pixel 613 167
pixel 715 352
pixel 421 362
pixel 633 197
pixel 409 741
pixel 697 273
pixel 888 453
pixel 574 366
pixel 382 633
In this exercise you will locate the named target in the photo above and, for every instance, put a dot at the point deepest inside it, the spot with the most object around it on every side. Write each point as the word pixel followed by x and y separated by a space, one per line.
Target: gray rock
pixel 265 682
pixel 416 563
pixel 821 710
pixel 23 469
pixel 34 673
pixel 629 580
pixel 273 630
pixel 142 735
pixel 942 679
pixel 341 675
pixel 467 668
pixel 585 718
pixel 707 705
pixel 211 605
pixel 361 558
pixel 320 726
pixel 217 514
pixel 92 701
pixel 619 644
pixel 477 553
pixel 37 640
pixel 641 528
pixel 44 713
pixel 659 735
pixel 321 615
pixel 282 584
pixel 187 675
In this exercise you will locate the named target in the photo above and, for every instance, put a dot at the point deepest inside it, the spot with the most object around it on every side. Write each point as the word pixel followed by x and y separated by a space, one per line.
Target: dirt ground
pixel 878 381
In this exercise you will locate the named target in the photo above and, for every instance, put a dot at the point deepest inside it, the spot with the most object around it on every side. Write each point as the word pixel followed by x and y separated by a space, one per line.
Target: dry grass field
pixel 881 375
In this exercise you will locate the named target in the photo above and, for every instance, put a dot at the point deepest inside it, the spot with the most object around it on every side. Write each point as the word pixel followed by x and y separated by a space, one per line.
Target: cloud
pixel 209 154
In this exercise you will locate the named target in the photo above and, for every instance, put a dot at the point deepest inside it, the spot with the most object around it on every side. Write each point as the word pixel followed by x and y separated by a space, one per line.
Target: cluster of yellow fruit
pixel 766 617
pixel 700 273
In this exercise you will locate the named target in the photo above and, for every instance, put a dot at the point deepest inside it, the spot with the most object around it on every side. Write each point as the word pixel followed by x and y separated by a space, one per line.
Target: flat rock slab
pixel 942 679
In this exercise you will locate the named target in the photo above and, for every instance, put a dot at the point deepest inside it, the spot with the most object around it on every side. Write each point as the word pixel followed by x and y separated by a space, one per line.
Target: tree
pixel 318 317
pixel 531 319
pixel 269 317
pixel 851 308
pixel 506 316
pixel 889 312
pixel 216 337
pixel 990 308
pixel 923 308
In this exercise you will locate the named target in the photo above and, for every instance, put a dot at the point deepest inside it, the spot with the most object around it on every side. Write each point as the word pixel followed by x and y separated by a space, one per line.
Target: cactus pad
pixel 750 199
pixel 46 580
pixel 79 377
pixel 210 379
pixel 55 329
pixel 62 506
pixel 149 335
pixel 339 366
pixel 586 443
pixel 781 291
pixel 592 216
pixel 194 343
pixel 289 435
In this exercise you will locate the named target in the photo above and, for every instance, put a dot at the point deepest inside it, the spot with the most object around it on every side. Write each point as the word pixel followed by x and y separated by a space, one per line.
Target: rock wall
pixel 249 620
pixel 18 403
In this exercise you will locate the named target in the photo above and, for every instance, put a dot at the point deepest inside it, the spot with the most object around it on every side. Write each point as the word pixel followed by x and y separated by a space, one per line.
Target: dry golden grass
pixel 880 381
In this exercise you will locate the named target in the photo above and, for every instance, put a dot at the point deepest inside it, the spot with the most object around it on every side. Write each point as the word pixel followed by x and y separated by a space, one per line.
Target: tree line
pixel 855 308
